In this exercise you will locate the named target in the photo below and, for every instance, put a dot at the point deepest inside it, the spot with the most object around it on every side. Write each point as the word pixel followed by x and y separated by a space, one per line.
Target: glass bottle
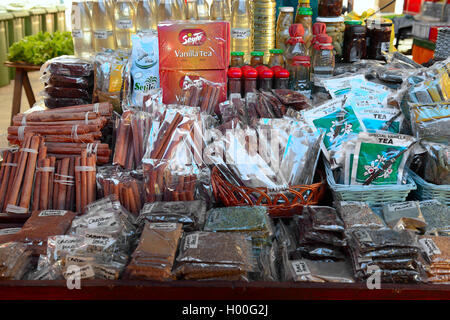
pixel 182 9
pixel 237 59
pixel 217 10
pixel 257 58
pixel 297 59
pixel 276 58
pixel 304 16
pixel 82 29
pixel 241 26
pixel 202 10
pixel 146 16
pixel 125 22
pixel 323 64
pixel 354 41
pixel 191 8
pixel 318 28
pixel 102 25
pixel 234 80
pixel 285 19
pixel 168 10
pixel 303 4
pixel 227 10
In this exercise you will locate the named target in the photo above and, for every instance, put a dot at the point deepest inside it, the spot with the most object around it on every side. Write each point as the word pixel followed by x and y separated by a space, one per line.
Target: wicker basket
pixel 375 195
pixel 427 191
pixel 279 205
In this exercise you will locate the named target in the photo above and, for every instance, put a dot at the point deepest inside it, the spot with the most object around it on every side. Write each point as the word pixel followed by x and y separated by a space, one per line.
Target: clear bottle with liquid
pixel 182 9
pixel 192 12
pixel 125 22
pixel 285 19
pixel 202 10
pixel 102 26
pixel 241 28
pixel 81 29
pixel 217 10
pixel 146 16
pixel 227 10
pixel 168 10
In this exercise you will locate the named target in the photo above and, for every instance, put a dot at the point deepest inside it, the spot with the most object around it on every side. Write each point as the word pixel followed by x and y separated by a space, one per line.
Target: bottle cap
pixel 266 74
pixel 235 73
pixel 276 51
pixel 296 30
pixel 286 9
pixel 319 28
pixel 323 39
pixel 257 53
pixel 237 53
pixel 282 74
pixel 304 11
pixel 276 68
pixel 250 73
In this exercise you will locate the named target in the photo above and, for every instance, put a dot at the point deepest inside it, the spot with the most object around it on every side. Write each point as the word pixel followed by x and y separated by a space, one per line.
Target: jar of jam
pixel 330 8
pixel 250 77
pixel 237 59
pixel 265 76
pixel 335 29
pixel 354 41
pixel 276 58
pixel 304 16
pixel 257 58
pixel 281 79
pixel 234 80
pixel 378 37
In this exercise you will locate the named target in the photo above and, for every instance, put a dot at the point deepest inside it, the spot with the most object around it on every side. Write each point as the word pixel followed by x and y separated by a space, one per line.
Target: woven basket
pixel 375 195
pixel 283 204
pixel 427 191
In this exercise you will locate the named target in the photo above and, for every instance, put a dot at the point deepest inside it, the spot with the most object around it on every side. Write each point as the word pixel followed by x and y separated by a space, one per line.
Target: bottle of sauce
pixel 281 79
pixel 234 80
pixel 296 59
pixel 323 64
pixel 354 41
pixel 237 59
pixel 250 80
pixel 378 37
pixel 276 58
pixel 257 58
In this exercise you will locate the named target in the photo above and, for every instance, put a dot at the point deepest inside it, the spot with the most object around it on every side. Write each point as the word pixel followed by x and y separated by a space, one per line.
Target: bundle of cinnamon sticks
pixel 124 184
pixel 201 93
pixel 85 185
pixel 67 131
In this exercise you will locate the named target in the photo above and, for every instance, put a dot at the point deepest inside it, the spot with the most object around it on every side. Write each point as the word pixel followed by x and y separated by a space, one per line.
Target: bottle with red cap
pixel 281 78
pixel 297 60
pixel 265 77
pixel 250 77
pixel 323 64
pixel 318 28
pixel 234 80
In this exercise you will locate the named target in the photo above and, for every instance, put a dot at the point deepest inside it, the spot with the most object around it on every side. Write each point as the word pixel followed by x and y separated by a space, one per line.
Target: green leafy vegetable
pixel 39 48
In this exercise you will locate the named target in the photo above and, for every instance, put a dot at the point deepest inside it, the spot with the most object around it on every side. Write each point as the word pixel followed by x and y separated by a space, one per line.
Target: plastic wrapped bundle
pixel 356 214
pixel 15 261
pixel 404 215
pixel 437 217
pixel 436 250
pixel 214 254
pixel 154 256
pixel 430 120
pixel 191 214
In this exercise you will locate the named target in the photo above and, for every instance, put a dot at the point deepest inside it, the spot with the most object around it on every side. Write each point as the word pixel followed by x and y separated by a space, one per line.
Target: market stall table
pixel 21 80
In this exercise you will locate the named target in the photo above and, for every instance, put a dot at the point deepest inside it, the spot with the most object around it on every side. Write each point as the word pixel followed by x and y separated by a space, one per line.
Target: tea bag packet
pixel 404 215
pixel 343 85
pixel 15 260
pixel 214 254
pixel 357 214
pixel 143 66
pixel 155 253
pixel 380 158
pixel 437 217
pixel 430 120
pixel 337 122
pixel 381 119
pixel 191 214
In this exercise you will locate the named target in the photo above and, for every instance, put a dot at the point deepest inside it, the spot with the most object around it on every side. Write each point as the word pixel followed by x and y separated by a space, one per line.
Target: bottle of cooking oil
pixel 125 22
pixel 227 10
pixel 182 9
pixel 264 22
pixel 202 10
pixel 168 10
pixel 217 11
pixel 102 25
pixel 285 19
pixel 191 10
pixel 241 28
pixel 146 16
pixel 81 29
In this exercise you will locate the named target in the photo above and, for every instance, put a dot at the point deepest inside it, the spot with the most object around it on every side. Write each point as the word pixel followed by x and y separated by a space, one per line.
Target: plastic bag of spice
pixel 437 216
pixel 15 260
pixel 430 120
pixel 292 99
pixel 404 215
pixel 357 214
pixel 436 164
pixel 306 234
pixel 324 218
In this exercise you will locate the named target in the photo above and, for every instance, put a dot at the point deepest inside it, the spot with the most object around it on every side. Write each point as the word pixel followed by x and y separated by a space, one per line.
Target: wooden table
pixel 21 80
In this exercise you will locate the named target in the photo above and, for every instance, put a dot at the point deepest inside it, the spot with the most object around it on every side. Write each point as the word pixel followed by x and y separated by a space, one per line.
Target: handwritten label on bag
pixel 429 247
pixel 362 236
pixel 163 225
pixel 52 213
pixel 300 268
pixel 191 241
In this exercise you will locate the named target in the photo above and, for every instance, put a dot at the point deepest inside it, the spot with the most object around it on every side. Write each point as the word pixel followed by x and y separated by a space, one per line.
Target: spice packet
pixel 437 216
pixel 357 214
pixel 380 158
pixel 324 218
pixel 436 162
pixel 404 215
pixel 430 120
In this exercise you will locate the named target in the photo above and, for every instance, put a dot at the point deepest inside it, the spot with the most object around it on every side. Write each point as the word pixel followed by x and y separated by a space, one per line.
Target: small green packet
pixel 382 153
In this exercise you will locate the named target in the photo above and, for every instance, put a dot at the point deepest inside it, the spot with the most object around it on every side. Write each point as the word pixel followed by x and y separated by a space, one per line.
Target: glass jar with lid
pixel 354 41
pixel 335 29
pixel 284 21
pixel 257 58
pixel 304 16
pixel 324 62
pixel 250 78
pixel 237 59
pixel 234 80
pixel 330 8
pixel 378 37
pixel 276 58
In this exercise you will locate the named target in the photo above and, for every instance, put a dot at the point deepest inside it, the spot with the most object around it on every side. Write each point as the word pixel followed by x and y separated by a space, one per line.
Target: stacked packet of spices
pixel 437 254
pixel 15 260
pixel 393 254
